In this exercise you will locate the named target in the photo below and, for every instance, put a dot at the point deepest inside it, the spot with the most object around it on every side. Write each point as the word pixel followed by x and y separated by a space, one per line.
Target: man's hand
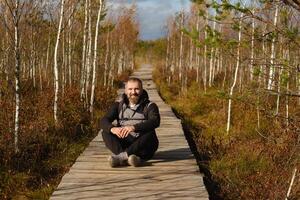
pixel 116 131
pixel 122 132
pixel 126 130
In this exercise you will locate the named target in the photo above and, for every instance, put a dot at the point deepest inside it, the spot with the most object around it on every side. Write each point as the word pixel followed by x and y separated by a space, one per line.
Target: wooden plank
pixel 171 174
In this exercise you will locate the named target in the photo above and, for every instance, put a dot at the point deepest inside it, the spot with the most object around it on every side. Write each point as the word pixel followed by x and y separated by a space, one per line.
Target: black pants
pixel 143 146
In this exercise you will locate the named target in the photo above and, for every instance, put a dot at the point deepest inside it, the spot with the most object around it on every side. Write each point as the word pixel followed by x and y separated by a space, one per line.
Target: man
pixel 133 140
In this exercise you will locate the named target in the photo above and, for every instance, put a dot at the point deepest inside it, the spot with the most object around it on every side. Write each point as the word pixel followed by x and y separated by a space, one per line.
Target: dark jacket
pixel 151 113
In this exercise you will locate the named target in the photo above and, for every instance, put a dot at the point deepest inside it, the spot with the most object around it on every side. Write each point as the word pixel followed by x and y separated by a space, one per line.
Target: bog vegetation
pixel 231 70
pixel 60 65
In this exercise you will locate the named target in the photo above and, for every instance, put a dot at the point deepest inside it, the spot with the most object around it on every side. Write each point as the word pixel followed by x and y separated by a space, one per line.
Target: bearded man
pixel 133 139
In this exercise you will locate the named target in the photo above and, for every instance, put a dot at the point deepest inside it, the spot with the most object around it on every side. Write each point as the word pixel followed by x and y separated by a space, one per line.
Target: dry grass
pixel 46 151
pixel 249 162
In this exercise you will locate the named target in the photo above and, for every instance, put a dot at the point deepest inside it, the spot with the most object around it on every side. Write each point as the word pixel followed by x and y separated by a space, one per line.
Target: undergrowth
pixel 46 151
pixel 249 162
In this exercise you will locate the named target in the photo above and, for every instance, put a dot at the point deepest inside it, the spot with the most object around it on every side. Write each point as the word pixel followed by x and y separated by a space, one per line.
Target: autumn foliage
pixel 45 151
pixel 248 164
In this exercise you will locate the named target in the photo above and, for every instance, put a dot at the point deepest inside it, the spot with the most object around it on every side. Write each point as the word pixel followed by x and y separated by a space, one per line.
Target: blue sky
pixel 153 14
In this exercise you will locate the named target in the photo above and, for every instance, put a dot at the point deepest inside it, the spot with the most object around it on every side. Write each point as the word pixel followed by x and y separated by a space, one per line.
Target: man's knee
pixel 151 138
pixel 147 145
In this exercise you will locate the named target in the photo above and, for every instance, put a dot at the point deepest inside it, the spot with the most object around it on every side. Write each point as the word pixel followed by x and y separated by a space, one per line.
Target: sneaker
pixel 134 160
pixel 115 161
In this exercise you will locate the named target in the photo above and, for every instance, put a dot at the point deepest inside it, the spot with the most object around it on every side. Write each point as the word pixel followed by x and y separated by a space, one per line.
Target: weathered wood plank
pixel 171 174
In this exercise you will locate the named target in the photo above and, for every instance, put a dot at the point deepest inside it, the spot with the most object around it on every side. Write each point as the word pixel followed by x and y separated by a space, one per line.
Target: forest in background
pixel 60 65
pixel 231 71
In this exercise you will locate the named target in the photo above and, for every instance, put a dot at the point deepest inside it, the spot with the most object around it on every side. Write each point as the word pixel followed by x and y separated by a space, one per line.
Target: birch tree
pixel 83 59
pixel 273 52
pixel 56 84
pixel 235 77
pixel 95 55
pixel 16 20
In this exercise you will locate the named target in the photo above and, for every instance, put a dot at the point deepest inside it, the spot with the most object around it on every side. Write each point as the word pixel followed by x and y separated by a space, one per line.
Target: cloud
pixel 153 14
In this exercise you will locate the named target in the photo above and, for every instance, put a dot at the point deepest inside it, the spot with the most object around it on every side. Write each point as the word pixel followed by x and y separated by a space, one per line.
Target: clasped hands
pixel 122 132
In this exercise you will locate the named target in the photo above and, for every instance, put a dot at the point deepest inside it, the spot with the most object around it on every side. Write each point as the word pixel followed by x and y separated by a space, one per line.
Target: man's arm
pixel 151 123
pixel 109 117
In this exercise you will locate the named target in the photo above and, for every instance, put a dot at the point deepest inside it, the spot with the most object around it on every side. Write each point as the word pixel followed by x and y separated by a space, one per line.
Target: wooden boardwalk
pixel 171 174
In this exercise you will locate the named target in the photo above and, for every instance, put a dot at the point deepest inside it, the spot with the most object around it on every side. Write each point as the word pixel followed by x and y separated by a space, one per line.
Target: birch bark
pixel 83 60
pixel 235 78
pixel 272 61
pixel 17 72
pixel 56 85
pixel 95 56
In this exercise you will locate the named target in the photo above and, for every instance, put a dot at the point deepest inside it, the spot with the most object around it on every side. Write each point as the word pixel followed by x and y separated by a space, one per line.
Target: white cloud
pixel 153 14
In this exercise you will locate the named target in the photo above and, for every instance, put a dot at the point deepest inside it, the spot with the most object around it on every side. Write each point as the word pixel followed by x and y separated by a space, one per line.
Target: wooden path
pixel 171 174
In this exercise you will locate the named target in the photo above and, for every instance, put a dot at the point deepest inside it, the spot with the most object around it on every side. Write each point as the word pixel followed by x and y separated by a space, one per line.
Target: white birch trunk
pixel 106 59
pixel 83 60
pixel 47 61
pixel 173 58
pixel 191 64
pixel 89 55
pixel 17 72
pixel 287 89
pixel 41 74
pixel 278 93
pixel 235 78
pixel 197 51
pixel 95 57
pixel 167 54
pixel 263 68
pixel 272 61
pixel 252 49
pixel 291 184
pixel 205 53
pixel 63 73
pixel 181 47
pixel 55 61
pixel 70 51
pixel 112 67
pixel 211 59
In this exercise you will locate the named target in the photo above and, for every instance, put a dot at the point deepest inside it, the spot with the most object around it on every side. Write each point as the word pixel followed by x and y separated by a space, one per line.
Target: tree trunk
pixel 70 51
pixel 291 184
pixel 252 49
pixel 83 60
pixel 95 57
pixel 235 78
pixel 17 72
pixel 205 53
pixel 47 60
pixel 167 56
pixel 181 47
pixel 211 59
pixel 89 55
pixel 106 59
pixel 63 66
pixel 55 60
pixel 272 61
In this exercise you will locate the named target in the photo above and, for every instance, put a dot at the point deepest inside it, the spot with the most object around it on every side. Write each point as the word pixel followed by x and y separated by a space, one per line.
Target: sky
pixel 152 14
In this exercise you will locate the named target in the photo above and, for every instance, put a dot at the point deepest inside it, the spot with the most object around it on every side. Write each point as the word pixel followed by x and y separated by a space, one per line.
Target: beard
pixel 134 98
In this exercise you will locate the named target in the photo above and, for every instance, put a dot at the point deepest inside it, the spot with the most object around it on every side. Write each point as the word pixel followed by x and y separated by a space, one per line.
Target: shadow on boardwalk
pixel 173 155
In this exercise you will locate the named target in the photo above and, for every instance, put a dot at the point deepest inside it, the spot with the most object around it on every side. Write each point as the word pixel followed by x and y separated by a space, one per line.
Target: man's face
pixel 133 91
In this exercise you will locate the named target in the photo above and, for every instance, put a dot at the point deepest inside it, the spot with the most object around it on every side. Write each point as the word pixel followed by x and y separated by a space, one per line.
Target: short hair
pixel 134 79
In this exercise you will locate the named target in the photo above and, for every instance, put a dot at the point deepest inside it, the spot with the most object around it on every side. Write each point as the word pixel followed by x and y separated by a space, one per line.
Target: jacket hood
pixel 143 98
